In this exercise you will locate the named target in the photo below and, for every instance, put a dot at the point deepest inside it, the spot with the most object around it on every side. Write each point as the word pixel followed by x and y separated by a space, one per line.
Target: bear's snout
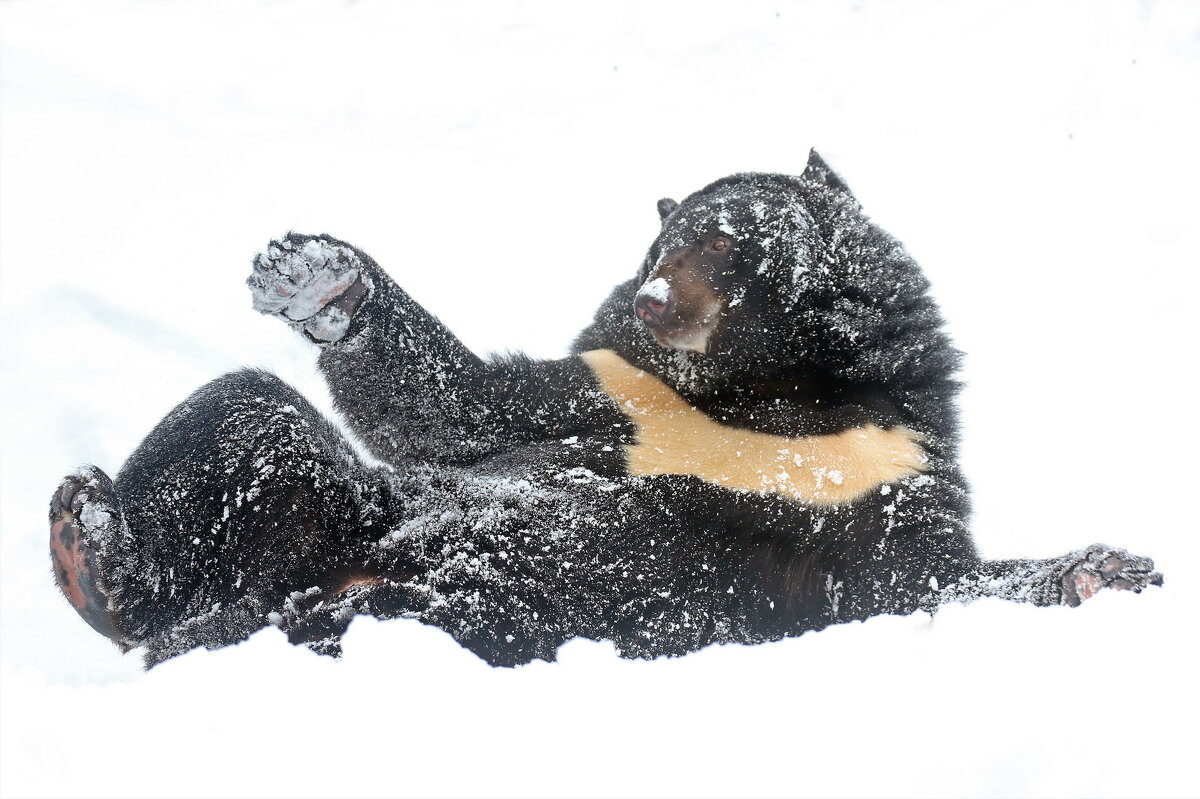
pixel 654 301
pixel 680 310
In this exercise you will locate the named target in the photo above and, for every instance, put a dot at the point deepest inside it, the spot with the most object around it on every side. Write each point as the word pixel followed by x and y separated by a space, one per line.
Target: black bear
pixel 756 437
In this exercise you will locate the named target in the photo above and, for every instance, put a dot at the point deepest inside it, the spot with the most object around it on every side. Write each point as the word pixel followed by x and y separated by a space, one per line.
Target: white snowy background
pixel 502 160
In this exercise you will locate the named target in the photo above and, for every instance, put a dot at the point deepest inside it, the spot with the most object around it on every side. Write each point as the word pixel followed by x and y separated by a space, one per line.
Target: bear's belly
pixel 675 438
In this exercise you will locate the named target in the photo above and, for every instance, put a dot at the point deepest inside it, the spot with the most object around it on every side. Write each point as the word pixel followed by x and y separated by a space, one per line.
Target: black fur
pixel 506 516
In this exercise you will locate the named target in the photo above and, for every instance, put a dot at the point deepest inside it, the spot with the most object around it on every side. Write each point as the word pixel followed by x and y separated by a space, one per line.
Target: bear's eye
pixel 720 244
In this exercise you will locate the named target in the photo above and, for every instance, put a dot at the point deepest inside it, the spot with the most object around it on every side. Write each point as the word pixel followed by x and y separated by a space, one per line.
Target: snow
pixel 657 289
pixel 1037 159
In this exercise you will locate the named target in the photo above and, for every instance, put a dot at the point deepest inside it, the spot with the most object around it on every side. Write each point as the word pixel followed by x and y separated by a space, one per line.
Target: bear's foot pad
pixel 1107 567
pixel 311 282
pixel 84 517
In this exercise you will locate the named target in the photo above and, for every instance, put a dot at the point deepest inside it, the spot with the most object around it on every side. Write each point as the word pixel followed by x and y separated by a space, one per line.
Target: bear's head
pixel 760 275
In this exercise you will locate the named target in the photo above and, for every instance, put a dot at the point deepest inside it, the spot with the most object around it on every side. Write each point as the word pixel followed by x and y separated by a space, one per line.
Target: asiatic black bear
pixel 756 437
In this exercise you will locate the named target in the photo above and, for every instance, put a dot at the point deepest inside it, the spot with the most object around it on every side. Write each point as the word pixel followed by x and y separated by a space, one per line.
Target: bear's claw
pixel 1101 567
pixel 85 519
pixel 311 282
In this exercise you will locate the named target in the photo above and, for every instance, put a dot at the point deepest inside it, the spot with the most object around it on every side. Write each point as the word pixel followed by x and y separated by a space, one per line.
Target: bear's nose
pixel 654 301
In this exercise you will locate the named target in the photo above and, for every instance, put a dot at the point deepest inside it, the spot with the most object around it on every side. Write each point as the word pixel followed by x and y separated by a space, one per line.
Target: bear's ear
pixel 665 206
pixel 818 171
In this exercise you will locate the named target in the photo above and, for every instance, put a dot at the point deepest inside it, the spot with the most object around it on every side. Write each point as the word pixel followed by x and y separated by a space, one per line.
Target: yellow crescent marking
pixel 675 438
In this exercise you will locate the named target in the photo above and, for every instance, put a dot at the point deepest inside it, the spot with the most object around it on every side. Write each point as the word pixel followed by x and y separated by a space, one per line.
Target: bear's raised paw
pixel 311 282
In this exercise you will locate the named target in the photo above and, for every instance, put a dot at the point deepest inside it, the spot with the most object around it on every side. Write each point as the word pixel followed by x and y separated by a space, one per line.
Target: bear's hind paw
pixel 86 524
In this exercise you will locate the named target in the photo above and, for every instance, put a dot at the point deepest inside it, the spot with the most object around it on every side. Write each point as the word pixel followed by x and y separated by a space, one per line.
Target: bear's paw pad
pixel 307 281
pixel 86 523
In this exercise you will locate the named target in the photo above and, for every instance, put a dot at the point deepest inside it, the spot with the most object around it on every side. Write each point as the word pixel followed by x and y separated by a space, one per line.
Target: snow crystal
pixel 329 325
pixel 95 517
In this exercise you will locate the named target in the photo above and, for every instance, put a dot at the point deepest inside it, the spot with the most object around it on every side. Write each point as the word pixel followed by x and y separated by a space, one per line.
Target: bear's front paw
pixel 311 282
pixel 1107 567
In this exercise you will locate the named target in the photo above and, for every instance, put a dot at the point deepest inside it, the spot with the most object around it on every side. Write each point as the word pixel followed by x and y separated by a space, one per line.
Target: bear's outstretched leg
pixel 1066 580
pixel 409 389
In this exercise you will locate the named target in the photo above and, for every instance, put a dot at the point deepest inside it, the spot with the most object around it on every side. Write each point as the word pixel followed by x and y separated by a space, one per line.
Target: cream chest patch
pixel 675 438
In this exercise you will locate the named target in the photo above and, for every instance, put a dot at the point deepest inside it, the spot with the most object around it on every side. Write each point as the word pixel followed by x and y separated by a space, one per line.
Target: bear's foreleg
pixel 1066 580
pixel 409 389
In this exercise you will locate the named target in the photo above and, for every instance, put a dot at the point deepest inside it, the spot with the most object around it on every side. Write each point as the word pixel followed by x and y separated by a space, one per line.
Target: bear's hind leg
pixel 243 495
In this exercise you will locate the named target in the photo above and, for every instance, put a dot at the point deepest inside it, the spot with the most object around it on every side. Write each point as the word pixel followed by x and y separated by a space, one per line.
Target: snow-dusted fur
pixel 507 514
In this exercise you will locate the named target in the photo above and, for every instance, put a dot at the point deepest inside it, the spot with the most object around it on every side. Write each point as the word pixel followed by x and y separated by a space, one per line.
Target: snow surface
pixel 1038 159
